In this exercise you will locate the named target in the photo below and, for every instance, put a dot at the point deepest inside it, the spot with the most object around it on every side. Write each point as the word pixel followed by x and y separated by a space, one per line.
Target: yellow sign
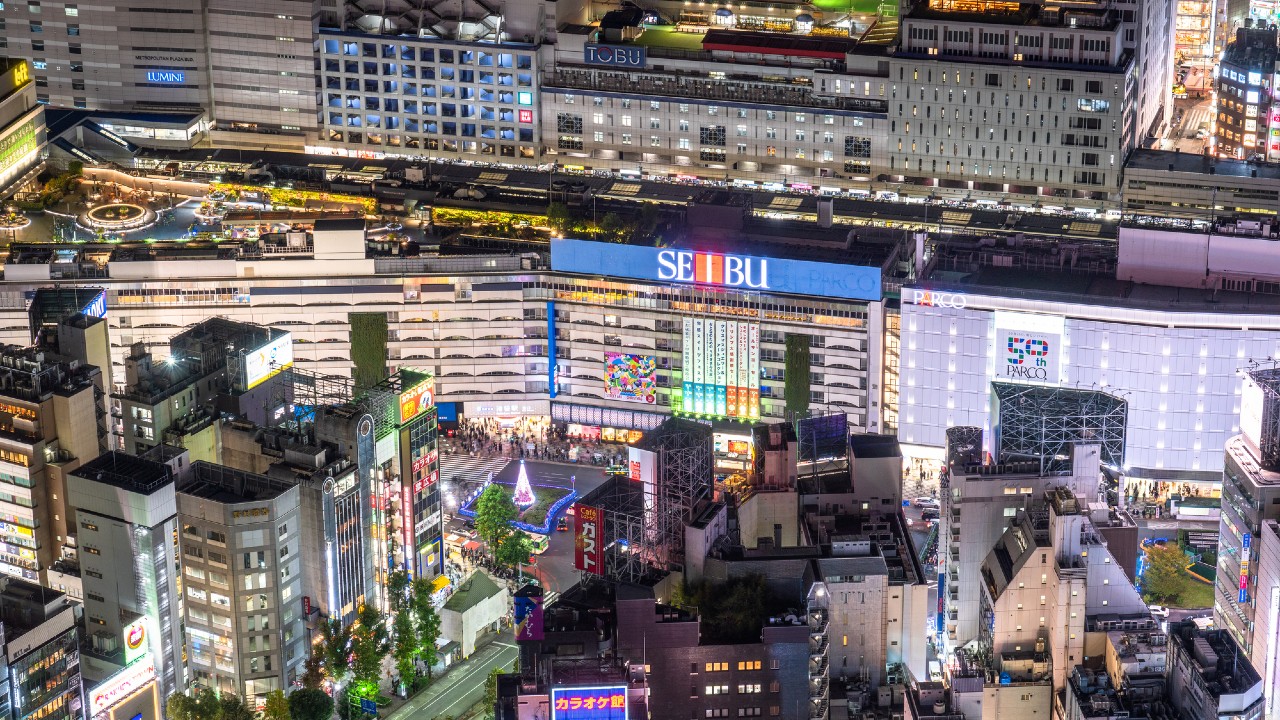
pixel 21 74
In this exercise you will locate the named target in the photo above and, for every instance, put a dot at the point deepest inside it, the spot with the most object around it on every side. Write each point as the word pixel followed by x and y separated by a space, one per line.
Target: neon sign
pixel 713 269
pixel 121 685
pixel 168 77
pixel 589 703
pixel 417 399
pixel 939 299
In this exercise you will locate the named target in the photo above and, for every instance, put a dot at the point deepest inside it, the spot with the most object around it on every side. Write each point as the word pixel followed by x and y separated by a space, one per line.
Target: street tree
pixel 277 706
pixel 369 645
pixel 494 512
pixel 233 707
pixel 398 588
pixel 1163 578
pixel 426 623
pixel 515 549
pixel 335 648
pixel 491 688
pixel 405 647
pixel 310 704
pixel 313 671
pixel 200 705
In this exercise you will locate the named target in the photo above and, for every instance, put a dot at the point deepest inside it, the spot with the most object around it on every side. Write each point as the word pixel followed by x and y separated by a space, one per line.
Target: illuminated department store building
pixel 664 331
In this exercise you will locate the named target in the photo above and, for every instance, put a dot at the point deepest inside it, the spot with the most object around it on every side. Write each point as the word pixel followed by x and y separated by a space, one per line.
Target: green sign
pixel 17 145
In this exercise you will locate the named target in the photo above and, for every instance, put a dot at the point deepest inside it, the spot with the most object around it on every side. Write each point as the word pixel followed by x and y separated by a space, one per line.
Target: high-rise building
pixel 40 658
pixel 1209 677
pixel 244 592
pixel 53 420
pixel 1250 497
pixel 126 516
pixel 1248 114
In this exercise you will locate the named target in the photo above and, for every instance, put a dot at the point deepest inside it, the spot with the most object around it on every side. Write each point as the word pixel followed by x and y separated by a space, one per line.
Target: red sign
pixel 588 548
pixel 426 482
pixel 306 606
pixel 423 461
pixel 526 116
pixel 635 470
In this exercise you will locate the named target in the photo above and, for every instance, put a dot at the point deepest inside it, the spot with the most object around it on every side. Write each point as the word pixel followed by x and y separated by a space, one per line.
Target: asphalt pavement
pixel 462 686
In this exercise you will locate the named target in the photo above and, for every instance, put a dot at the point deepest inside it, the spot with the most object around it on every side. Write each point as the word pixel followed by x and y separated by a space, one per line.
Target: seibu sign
pixel 736 271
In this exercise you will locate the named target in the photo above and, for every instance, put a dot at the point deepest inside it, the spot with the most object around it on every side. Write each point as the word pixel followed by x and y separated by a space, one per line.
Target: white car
pixel 1159 611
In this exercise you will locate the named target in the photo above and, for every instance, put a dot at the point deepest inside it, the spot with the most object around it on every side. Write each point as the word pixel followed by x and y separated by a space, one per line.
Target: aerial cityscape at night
pixel 640 360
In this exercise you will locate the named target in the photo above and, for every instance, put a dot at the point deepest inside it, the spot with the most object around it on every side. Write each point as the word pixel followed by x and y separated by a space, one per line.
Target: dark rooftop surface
pixel 127 472
pixel 1165 161
pixel 229 485
pixel 332 224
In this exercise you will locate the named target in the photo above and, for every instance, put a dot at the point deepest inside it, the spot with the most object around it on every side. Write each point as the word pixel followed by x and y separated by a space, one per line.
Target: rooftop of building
pixel 1222 666
pixel 1027 15
pixel 126 472
pixel 867 446
pixel 477 588
pixel 34 374
pixel 1240 451
pixel 1254 48
pixel 1198 166
pixel 230 486
pixel 25 605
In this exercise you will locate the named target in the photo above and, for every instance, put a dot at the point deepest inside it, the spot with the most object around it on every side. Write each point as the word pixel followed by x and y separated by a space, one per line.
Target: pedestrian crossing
pixel 467 469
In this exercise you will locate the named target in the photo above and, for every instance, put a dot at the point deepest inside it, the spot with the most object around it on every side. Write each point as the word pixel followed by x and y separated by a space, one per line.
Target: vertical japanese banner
pixel 588 548
pixel 753 380
pixel 744 369
pixel 686 367
pixel 709 370
pixel 699 364
pixel 731 367
pixel 722 365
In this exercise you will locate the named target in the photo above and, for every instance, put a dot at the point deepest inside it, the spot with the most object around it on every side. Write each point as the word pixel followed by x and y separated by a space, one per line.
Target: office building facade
pixel 41 660
pixel 22 129
pixel 126 515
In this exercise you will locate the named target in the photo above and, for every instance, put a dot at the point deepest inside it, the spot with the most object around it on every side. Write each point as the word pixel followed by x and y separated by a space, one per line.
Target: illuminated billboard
pixel 589 703
pixel 1028 348
pixel 631 378
pixel 267 361
pixel 135 640
pixel 726 270
pixel 721 368
pixel 588 548
pixel 121 685
pixel 417 399
pixel 528 616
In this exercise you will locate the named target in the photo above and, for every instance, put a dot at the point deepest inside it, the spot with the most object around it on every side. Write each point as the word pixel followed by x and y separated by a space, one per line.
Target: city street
pixel 554 568
pixel 451 694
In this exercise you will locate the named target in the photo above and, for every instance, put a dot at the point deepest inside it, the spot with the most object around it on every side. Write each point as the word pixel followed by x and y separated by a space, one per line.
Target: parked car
pixel 1159 611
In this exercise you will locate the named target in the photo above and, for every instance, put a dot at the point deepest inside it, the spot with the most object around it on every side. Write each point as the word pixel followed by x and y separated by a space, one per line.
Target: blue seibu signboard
pixel 632 56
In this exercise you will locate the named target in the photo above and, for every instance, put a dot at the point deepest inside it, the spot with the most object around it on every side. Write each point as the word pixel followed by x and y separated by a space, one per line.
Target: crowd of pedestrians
pixel 532 438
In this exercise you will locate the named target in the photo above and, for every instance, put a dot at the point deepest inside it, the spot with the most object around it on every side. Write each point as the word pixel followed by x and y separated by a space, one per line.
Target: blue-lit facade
pixel 407 95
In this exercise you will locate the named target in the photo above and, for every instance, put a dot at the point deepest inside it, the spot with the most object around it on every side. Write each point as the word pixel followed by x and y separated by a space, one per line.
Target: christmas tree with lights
pixel 523 495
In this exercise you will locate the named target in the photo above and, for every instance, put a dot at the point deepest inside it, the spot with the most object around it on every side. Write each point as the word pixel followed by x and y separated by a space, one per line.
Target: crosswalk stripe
pixel 470 469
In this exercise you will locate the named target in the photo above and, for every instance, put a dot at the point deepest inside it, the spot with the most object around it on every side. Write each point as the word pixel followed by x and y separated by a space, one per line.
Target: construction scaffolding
pixel 644 521
pixel 1040 424
pixel 303 391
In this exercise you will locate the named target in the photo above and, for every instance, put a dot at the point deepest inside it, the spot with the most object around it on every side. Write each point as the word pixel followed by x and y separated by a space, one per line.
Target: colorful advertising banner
pixel 417 399
pixel 721 368
pixel 588 547
pixel 528 616
pixel 631 378
pixel 589 703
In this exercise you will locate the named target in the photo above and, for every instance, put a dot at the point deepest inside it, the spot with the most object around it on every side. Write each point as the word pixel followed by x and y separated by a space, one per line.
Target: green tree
pixel 277 707
pixel 200 705
pixel 560 218
pixel 647 219
pixel 398 588
pixel 369 646
pixel 368 349
pixel 405 647
pixel 335 648
pixel 310 704
pixel 494 512
pixel 233 707
pixel 612 227
pixel 313 671
pixel 491 689
pixel 1164 577
pixel 515 549
pixel 427 623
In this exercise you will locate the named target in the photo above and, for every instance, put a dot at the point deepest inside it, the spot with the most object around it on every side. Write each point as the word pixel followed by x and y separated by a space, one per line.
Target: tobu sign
pixel 616 55
pixel 588 550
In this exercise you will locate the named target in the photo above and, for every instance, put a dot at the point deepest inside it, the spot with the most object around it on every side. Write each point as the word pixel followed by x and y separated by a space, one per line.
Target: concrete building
pixel 22 128
pixel 475 609
pixel 1209 675
pixel 1247 87
pixel 215 366
pixel 41 658
pixel 242 557
pixel 54 420
pixel 978 503
pixel 126 515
